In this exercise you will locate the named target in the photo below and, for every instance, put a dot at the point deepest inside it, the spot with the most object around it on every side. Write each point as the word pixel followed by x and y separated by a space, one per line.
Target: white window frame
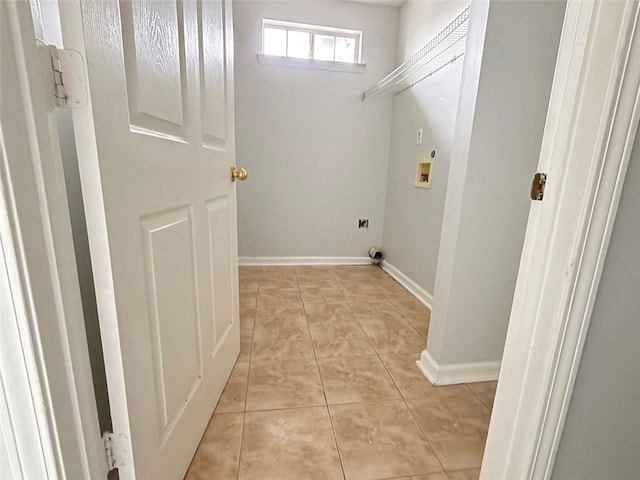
pixel 313 30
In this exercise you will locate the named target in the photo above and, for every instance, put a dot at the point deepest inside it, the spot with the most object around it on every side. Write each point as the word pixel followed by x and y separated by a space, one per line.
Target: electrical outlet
pixel 419 137
pixel 363 223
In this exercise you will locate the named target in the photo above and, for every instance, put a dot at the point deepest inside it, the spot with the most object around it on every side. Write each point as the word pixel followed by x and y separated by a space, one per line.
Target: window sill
pixel 311 64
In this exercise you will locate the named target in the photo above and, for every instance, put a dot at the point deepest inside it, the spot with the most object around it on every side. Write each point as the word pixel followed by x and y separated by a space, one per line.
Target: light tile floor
pixel 326 386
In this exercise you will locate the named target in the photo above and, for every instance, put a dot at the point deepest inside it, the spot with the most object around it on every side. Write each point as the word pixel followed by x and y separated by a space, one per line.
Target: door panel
pixel 151 34
pixel 156 145
pixel 171 285
pixel 213 75
pixel 221 267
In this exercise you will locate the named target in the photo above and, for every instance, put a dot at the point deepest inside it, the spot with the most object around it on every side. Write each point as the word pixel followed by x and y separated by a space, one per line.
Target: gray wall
pixel 316 154
pixel 601 439
pixel 413 216
pixel 506 84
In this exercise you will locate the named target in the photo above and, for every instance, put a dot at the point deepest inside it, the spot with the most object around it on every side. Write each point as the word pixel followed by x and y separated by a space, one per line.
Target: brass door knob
pixel 238 174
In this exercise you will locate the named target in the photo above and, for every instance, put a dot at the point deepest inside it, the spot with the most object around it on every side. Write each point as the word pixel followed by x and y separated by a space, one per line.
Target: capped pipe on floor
pixel 376 255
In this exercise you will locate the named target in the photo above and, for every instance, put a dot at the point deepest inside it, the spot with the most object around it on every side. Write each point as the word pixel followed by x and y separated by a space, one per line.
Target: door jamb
pixel 591 127
pixel 48 414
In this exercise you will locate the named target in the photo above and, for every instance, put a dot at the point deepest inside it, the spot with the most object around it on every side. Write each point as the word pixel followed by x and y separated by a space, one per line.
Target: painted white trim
pixel 47 406
pixel 311 64
pixel 412 287
pixel 285 261
pixel 591 126
pixel 456 374
pixel 24 424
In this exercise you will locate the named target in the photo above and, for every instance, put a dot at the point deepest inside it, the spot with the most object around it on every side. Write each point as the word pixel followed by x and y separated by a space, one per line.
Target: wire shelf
pixel 444 48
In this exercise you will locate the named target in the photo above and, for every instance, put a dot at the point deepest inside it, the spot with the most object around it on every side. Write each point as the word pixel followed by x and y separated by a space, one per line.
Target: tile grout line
pixel 246 391
pixel 463 470
pixel 446 472
pixel 402 317
pixel 346 404
pixel 377 353
pixel 413 417
pixel 340 284
pixel 324 394
pixel 421 474
pixel 282 409
pixel 479 399
pixel 415 420
pixel 359 322
pixel 411 324
pixel 398 389
pixel 402 314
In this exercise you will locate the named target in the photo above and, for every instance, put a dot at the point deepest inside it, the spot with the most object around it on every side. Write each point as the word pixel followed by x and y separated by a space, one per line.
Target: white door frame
pixel 590 131
pixel 591 125
pixel 48 416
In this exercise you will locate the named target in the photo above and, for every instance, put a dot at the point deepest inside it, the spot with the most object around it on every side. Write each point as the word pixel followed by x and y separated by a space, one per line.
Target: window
pixel 298 40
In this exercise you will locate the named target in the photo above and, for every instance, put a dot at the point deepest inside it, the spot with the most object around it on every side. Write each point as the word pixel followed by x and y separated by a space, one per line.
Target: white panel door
pixel 156 146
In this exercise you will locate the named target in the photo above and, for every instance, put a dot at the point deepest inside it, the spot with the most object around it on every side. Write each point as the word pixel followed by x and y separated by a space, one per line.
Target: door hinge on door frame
pixel 116 447
pixel 537 186
pixel 69 86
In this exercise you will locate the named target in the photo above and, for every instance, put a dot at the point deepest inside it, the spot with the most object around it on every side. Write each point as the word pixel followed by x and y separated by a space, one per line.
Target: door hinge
pixel 537 186
pixel 69 86
pixel 116 447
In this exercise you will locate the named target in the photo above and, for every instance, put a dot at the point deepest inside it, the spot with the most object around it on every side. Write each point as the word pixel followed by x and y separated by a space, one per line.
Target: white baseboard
pixel 455 374
pixel 416 290
pixel 281 261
